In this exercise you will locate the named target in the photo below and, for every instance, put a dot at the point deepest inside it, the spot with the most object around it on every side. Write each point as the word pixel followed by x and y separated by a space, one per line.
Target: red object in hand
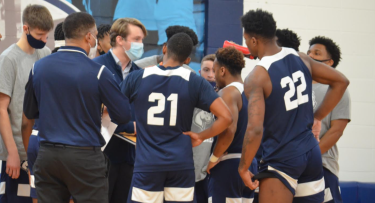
pixel 240 48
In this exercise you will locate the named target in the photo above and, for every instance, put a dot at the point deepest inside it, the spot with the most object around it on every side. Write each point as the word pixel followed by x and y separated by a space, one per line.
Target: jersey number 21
pixel 151 119
pixel 301 99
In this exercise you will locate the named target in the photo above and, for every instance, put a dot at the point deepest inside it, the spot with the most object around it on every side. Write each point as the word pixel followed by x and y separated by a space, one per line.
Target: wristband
pixel 213 158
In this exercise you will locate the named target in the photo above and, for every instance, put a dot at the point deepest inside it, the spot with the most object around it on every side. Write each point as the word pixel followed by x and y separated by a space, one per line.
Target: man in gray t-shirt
pixel 15 65
pixel 333 125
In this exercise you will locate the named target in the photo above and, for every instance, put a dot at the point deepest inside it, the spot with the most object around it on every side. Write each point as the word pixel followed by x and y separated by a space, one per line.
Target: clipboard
pixel 127 137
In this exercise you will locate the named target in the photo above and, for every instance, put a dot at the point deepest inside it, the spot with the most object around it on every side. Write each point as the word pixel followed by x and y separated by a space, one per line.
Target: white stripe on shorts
pixel 247 200
pixel 178 194
pixel 327 195
pixel 2 188
pixel 23 190
pixel 140 195
pixel 231 156
pixel 292 182
pixel 310 188
pixel 233 200
pixel 34 132
pixel 32 181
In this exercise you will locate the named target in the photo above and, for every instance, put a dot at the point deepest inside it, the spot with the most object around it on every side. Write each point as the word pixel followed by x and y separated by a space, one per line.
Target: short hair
pixel 103 30
pixel 259 22
pixel 172 30
pixel 121 28
pixel 77 25
pixel 37 16
pixel 231 58
pixel 59 34
pixel 210 57
pixel 179 47
pixel 332 48
pixel 288 38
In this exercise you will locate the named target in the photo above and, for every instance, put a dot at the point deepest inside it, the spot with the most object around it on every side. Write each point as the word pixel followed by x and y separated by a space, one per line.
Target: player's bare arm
pixel 333 135
pixel 324 74
pixel 27 128
pixel 224 119
pixel 13 159
pixel 231 97
pixel 254 91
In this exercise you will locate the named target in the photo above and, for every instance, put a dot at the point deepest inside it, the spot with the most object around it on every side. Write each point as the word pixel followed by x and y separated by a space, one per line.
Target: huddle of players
pixel 164 166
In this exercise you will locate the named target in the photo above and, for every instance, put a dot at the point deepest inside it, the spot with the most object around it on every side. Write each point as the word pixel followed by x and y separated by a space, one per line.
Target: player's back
pixel 164 106
pixel 288 111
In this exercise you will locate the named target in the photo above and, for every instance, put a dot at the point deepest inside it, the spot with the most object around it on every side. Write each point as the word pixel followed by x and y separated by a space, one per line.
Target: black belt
pixel 49 144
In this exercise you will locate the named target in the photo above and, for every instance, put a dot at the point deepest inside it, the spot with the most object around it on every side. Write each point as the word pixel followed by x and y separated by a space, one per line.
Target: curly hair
pixel 59 33
pixel 230 58
pixel 103 30
pixel 332 48
pixel 288 38
pixel 172 30
pixel 259 22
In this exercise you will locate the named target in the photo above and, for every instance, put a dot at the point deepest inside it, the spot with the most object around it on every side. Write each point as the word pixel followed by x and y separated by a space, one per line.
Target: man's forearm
pixel 223 142
pixel 250 147
pixel 6 132
pixel 217 127
pixel 329 140
pixel 330 100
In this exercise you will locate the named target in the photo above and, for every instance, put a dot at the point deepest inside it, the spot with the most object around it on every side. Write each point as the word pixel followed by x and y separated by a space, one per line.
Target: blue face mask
pixel 34 43
pixel 213 84
pixel 135 52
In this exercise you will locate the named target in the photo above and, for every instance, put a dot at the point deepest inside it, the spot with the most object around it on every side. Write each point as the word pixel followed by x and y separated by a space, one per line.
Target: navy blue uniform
pixel 54 89
pixel 66 92
pixel 225 184
pixel 290 151
pixel 164 101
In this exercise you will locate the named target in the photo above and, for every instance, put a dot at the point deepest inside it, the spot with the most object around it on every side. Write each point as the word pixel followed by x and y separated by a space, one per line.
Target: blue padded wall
pixel 223 23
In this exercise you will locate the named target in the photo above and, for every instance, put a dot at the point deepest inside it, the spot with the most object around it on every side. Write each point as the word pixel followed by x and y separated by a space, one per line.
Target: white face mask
pixel 93 50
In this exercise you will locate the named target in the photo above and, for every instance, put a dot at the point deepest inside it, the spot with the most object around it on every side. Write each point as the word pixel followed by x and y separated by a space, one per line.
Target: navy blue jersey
pixel 66 91
pixel 164 100
pixel 236 145
pixel 289 110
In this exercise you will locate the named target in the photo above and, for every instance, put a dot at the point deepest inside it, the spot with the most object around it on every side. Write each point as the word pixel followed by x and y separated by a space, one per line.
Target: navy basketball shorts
pixel 302 175
pixel 32 153
pixel 332 193
pixel 225 183
pixel 201 190
pixel 14 190
pixel 171 186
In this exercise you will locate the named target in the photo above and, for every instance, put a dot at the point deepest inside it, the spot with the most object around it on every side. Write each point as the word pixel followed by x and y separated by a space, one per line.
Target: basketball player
pixel 280 104
pixel 285 38
pixel 325 50
pixel 164 99
pixel 225 184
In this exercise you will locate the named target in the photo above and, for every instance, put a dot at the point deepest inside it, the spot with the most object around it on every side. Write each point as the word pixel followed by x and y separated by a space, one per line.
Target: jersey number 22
pixel 151 119
pixel 301 99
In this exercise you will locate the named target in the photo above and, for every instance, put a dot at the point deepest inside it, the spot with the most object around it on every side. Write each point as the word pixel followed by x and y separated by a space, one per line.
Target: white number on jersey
pixel 151 119
pixel 301 99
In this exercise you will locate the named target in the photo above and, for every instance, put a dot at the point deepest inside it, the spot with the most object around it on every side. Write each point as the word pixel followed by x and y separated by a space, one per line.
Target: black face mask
pixel 34 43
pixel 321 61
pixel 101 52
